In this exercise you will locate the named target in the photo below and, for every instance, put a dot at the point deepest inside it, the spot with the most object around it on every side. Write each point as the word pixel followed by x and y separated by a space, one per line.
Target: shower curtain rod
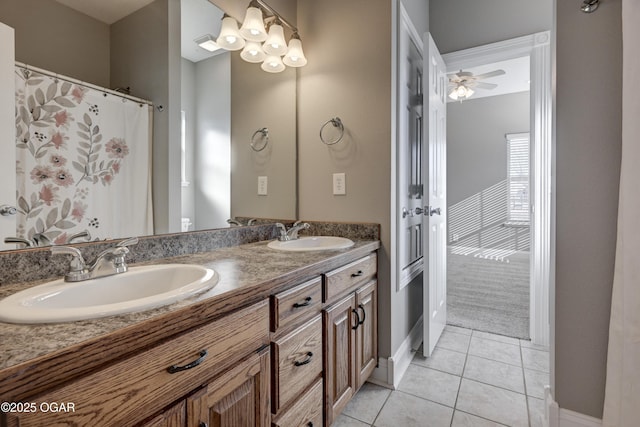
pixel 80 82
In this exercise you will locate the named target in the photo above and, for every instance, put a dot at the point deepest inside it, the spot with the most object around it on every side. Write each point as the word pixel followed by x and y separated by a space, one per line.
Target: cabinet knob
pixel 203 424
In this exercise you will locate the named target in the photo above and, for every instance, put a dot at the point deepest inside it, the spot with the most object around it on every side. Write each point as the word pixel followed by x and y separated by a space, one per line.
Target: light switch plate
pixel 262 185
pixel 339 184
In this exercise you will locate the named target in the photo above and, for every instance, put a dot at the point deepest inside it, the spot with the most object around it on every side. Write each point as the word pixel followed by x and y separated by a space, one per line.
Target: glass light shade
pixel 253 52
pixel 273 64
pixel 461 92
pixel 275 43
pixel 253 26
pixel 229 37
pixel 295 56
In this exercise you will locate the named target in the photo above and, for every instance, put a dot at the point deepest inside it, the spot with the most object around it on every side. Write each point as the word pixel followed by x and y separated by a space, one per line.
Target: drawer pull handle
pixel 305 361
pixel 306 302
pixel 358 323
pixel 358 274
pixel 175 368
pixel 364 314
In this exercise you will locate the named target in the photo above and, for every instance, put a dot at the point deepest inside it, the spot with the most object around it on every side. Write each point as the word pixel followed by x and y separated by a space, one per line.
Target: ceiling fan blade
pixel 490 74
pixel 483 85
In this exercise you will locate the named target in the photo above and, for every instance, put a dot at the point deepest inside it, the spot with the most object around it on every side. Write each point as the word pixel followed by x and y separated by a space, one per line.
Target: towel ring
pixel 261 143
pixel 337 123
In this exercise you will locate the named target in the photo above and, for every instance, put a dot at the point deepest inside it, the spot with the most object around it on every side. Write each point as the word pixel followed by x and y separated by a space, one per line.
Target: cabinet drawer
pixel 129 390
pixel 341 280
pixel 297 362
pixel 295 304
pixel 305 412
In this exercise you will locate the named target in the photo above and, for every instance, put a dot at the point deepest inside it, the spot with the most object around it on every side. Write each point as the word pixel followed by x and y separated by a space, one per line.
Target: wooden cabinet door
pixel 237 398
pixel 340 357
pixel 366 333
pixel 176 416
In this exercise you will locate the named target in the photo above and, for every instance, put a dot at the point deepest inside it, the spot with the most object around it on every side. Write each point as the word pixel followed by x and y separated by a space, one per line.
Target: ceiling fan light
pixel 275 43
pixel 295 55
pixel 229 37
pixel 253 52
pixel 253 26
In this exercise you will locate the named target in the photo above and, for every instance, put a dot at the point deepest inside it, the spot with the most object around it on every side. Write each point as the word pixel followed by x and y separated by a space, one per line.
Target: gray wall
pixel 146 57
pixel 476 148
pixel 188 94
pixel 461 24
pixel 261 99
pixel 588 150
pixel 54 37
pixel 344 80
pixel 212 142
pixel 477 170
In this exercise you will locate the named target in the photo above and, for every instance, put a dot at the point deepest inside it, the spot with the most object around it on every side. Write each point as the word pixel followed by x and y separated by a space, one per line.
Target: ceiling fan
pixel 461 84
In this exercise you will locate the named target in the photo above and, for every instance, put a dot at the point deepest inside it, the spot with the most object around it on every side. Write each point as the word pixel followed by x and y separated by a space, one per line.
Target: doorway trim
pixel 538 47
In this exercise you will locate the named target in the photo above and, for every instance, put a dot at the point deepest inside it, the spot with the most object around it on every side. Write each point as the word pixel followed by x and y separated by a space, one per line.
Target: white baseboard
pixel 559 417
pixel 390 371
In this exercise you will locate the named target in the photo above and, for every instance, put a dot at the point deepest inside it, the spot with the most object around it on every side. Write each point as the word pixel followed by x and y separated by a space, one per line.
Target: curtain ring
pixel 255 144
pixel 337 123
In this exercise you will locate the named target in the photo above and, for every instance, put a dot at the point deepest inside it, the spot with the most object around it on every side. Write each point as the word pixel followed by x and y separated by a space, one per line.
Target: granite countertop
pixel 248 273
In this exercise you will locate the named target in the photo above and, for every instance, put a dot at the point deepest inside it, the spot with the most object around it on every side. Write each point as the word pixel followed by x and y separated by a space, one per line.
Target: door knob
pixel 419 211
pixel 406 212
pixel 435 211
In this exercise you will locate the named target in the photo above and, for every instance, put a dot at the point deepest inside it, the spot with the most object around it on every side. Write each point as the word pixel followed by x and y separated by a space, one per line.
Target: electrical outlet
pixel 262 185
pixel 339 184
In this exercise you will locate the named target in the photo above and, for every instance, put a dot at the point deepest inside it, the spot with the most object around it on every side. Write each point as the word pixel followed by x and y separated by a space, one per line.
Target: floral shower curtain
pixel 622 393
pixel 83 161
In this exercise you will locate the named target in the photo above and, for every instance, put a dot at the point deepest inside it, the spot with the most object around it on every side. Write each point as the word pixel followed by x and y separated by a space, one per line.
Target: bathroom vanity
pixel 283 339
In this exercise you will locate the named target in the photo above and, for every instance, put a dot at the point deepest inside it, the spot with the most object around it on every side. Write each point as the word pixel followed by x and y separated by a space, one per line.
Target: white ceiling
pixel 198 18
pixel 107 11
pixel 516 78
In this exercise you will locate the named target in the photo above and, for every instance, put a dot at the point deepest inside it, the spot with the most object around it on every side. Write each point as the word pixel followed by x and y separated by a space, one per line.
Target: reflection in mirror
pixel 214 175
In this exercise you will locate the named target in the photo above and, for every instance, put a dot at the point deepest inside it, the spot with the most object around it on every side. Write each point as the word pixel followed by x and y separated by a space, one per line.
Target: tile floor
pixel 473 379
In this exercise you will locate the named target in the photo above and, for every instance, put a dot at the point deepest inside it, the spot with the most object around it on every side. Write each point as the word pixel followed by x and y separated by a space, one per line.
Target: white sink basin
pixel 312 243
pixel 140 288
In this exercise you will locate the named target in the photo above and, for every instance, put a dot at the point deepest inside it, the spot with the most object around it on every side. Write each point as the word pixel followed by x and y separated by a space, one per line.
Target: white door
pixel 410 184
pixel 435 174
pixel 7 133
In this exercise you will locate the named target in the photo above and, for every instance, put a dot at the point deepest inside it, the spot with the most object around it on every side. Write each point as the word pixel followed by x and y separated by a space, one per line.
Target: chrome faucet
pixel 292 233
pixel 26 242
pixel 73 237
pixel 109 262
pixel 38 239
pixel 233 221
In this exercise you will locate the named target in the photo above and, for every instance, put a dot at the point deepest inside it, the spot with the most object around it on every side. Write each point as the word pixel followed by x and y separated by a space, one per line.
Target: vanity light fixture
pixel 275 43
pixel 273 64
pixel 295 56
pixel 270 47
pixel 253 52
pixel 207 42
pixel 253 26
pixel 229 37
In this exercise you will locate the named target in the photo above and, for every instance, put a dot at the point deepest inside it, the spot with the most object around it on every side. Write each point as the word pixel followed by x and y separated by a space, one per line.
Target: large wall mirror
pixel 208 106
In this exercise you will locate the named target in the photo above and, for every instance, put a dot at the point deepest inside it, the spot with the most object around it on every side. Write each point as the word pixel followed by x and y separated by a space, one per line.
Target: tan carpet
pixel 489 291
